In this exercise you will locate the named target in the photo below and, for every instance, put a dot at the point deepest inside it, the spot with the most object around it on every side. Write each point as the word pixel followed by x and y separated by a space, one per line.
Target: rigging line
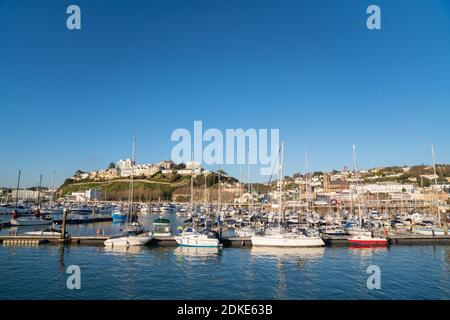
pixel 273 169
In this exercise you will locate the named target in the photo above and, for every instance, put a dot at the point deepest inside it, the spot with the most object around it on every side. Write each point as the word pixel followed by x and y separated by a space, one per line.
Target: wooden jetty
pixel 418 239
pixel 236 242
pixel 395 239
pixel 88 240
pixel 399 239
pixel 28 240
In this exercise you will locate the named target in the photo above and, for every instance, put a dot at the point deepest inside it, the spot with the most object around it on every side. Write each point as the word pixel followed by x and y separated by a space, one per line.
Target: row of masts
pixel 39 188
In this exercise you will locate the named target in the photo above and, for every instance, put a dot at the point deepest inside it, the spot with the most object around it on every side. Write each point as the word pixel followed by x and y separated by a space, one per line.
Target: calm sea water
pixel 407 272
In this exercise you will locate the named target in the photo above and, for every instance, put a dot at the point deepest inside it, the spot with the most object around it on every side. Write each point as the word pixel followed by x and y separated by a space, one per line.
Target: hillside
pixel 159 186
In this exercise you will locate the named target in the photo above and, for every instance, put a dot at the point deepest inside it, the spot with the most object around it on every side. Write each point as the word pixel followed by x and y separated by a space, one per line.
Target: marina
pixel 104 228
pixel 228 273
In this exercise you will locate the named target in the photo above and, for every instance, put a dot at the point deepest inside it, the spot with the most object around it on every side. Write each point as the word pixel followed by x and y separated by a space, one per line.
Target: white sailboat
pixel 193 238
pixel 278 237
pixel 133 234
pixel 50 231
pixel 360 235
pixel 17 220
pixel 30 221
pixel 190 237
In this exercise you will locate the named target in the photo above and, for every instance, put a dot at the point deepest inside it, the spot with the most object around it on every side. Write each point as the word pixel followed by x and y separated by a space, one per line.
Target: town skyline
pixel 198 169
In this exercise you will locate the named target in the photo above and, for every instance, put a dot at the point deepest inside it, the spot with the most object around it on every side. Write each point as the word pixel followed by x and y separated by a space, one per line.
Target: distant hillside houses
pixel 125 168
pixel 84 196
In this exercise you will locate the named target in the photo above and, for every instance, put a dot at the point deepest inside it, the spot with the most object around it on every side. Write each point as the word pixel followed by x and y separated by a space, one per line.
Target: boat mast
pixel 435 183
pixel 192 183
pixel 307 184
pixel 17 189
pixel 53 188
pixel 39 192
pixel 355 165
pixel 280 211
pixel 205 195
pixel 248 179
pixel 131 191
pixel 219 196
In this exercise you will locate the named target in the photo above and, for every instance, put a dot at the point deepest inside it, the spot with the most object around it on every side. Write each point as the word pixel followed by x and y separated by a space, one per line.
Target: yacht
pixel 161 228
pixel 133 234
pixel 333 230
pixel 245 232
pixel 144 209
pixel 133 227
pixel 168 208
pixel 29 221
pixel 192 238
pixel 282 238
pixel 129 239
pixel 84 209
pixel 50 231
pixel 279 237
pixel 118 215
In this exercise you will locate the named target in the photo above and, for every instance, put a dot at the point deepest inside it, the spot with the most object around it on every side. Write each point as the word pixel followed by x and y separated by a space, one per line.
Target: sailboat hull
pixel 128 241
pixel 29 221
pixel 194 241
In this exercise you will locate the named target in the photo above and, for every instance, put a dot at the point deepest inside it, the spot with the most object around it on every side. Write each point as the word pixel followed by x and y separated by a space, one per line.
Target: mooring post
pixel 446 223
pixel 64 220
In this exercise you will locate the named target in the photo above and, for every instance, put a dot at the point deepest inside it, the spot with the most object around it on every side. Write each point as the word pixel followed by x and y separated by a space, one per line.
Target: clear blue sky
pixel 71 99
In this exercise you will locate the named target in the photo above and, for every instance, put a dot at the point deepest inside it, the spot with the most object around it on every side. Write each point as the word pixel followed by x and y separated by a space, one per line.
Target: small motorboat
pixel 192 238
pixel 118 215
pixel 161 228
pixel 133 234
pixel 51 231
pixel 128 240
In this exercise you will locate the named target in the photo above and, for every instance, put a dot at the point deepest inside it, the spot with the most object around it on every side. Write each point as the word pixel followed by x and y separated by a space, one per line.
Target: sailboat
pixel 437 229
pixel 133 233
pixel 190 237
pixel 359 235
pixel 16 220
pixel 279 237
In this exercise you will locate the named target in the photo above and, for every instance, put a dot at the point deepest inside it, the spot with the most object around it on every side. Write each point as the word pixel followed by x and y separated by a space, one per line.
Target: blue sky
pixel 72 99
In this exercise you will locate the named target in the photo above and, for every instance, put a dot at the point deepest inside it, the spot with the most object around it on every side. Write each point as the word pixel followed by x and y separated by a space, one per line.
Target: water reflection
pixel 302 253
pixel 367 251
pixel 197 252
pixel 126 250
pixel 62 266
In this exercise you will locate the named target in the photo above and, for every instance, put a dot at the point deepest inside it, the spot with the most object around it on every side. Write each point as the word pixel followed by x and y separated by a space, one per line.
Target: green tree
pixel 111 165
